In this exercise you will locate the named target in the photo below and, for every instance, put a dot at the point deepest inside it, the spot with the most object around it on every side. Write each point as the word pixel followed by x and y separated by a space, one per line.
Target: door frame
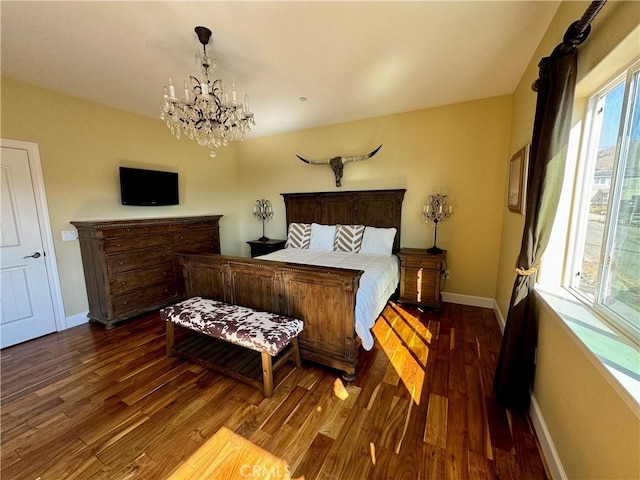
pixel 46 235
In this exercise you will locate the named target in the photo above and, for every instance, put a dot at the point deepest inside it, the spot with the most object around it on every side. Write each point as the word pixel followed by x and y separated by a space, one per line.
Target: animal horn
pixel 355 158
pixel 315 162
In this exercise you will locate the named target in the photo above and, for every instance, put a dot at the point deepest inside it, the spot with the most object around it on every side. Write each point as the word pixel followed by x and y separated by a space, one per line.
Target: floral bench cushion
pixel 260 331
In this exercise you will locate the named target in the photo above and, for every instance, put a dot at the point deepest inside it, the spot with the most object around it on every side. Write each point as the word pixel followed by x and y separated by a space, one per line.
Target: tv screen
pixel 148 187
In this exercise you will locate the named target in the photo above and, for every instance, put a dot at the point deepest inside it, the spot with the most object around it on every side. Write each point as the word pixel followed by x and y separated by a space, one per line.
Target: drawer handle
pixel 117 244
pixel 123 283
pixel 125 302
pixel 121 263
pixel 164 273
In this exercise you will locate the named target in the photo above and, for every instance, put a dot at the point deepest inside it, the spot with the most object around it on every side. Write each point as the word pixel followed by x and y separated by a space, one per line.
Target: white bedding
pixel 380 279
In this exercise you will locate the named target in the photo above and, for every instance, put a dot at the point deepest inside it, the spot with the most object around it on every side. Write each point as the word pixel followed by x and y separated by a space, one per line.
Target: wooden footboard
pixel 323 297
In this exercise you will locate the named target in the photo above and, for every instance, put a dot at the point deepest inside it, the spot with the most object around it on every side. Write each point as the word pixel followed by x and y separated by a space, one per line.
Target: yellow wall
pixel 596 434
pixel 81 146
pixel 457 149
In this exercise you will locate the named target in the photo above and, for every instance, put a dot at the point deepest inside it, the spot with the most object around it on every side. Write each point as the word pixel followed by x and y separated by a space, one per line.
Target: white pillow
pixel 322 237
pixel 378 240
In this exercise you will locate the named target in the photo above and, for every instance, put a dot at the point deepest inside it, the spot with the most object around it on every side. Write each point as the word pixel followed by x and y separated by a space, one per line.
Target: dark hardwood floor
pixel 94 404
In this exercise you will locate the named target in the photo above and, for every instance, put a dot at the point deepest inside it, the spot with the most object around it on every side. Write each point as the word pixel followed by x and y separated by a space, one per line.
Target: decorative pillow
pixel 378 240
pixel 299 235
pixel 348 238
pixel 322 237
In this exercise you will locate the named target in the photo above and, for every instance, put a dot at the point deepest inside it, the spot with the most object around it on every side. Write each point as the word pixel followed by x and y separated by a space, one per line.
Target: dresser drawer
pixel 136 279
pixel 196 225
pixel 201 247
pixel 411 293
pixel 421 262
pixel 420 275
pixel 124 262
pixel 418 292
pixel 135 243
pixel 144 299
pixel 195 236
pixel 112 233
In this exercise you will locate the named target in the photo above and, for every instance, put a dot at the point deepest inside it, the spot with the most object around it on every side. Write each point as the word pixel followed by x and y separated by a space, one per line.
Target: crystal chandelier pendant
pixel 435 211
pixel 263 211
pixel 207 114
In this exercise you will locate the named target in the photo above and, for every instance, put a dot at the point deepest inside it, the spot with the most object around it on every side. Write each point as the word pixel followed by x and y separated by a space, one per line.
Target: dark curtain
pixel 555 86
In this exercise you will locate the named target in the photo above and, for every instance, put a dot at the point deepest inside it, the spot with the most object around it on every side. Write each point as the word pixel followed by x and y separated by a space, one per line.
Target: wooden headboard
pixel 376 208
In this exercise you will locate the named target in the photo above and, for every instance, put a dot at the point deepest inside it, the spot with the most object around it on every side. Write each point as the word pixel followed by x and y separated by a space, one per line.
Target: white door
pixel 25 295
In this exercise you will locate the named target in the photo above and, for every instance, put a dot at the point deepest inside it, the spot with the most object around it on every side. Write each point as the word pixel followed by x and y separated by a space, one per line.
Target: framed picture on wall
pixel 518 180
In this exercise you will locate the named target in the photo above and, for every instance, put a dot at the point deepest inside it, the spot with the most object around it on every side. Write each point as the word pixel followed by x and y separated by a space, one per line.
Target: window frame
pixel 589 143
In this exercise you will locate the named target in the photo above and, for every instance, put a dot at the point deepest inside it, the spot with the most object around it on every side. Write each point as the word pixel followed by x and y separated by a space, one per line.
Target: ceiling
pixel 352 60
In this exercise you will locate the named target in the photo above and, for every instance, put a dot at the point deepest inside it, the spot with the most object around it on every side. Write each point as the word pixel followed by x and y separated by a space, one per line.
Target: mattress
pixel 379 281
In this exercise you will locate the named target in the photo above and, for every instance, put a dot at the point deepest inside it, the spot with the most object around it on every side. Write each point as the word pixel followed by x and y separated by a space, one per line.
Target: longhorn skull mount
pixel 337 163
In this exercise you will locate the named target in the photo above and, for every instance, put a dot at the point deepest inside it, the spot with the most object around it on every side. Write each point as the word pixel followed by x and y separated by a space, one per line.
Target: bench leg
pixel 296 352
pixel 170 338
pixel 267 375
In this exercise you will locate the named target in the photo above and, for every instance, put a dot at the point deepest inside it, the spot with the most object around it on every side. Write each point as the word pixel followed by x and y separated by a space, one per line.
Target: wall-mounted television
pixel 148 187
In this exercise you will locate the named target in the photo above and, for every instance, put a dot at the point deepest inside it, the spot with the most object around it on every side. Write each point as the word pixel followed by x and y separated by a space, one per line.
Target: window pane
pixel 622 288
pixel 608 120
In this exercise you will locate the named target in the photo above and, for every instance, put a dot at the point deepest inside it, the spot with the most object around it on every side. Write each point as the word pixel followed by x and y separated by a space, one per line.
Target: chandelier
pixel 207 114
pixel 263 211
pixel 435 211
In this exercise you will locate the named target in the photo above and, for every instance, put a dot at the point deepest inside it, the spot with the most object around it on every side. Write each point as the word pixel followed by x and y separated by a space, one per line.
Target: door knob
pixel 34 255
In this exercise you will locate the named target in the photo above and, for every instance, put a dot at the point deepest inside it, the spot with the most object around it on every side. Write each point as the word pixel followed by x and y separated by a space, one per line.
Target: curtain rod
pixel 579 30
pixel 576 34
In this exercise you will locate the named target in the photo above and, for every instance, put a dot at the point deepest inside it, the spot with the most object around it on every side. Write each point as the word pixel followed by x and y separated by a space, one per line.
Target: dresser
pixel 129 265
pixel 420 273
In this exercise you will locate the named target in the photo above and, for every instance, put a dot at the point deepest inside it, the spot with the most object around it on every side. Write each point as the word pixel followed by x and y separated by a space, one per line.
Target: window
pixel 606 262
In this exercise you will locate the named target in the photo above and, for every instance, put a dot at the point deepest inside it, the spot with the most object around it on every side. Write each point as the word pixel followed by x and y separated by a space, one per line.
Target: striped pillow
pixel 299 235
pixel 348 238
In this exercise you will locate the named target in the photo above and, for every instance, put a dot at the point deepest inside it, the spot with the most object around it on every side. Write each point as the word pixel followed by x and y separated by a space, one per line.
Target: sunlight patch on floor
pixel 405 341
pixel 227 455
pixel 339 390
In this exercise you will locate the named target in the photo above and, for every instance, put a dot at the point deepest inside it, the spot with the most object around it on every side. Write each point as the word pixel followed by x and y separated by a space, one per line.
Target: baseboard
pixel 546 442
pixel 501 321
pixel 467 300
pixel 77 319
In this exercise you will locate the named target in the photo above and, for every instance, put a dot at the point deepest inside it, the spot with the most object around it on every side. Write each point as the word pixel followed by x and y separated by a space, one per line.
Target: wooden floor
pixel 88 403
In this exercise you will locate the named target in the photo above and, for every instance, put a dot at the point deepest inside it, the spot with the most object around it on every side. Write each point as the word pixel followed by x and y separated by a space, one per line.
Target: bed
pixel 324 294
pixel 379 280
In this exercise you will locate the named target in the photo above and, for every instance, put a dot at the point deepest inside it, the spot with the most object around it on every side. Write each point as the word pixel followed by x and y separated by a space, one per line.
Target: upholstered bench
pixel 273 336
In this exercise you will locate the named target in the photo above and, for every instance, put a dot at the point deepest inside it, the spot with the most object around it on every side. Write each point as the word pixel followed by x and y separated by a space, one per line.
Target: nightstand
pixel 420 273
pixel 262 248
